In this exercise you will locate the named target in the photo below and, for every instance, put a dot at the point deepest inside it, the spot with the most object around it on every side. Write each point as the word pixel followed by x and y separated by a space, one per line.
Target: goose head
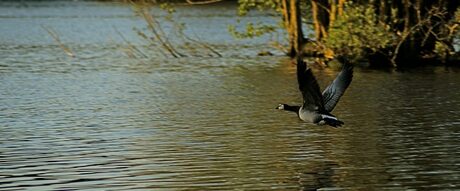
pixel 281 106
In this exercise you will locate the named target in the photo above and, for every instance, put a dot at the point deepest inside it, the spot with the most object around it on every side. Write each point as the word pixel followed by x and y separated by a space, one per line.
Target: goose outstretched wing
pixel 335 90
pixel 308 86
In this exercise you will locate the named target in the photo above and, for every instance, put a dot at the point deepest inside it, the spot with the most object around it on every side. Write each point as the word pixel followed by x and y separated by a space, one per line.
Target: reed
pixel 56 38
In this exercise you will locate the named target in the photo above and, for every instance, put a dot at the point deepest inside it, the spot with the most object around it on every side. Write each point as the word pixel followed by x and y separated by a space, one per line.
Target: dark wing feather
pixel 308 86
pixel 335 90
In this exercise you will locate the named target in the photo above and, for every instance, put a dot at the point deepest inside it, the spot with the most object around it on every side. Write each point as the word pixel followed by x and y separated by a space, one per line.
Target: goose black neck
pixel 292 108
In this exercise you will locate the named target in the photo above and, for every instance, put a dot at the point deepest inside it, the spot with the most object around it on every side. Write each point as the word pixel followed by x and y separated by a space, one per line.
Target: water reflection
pixel 104 121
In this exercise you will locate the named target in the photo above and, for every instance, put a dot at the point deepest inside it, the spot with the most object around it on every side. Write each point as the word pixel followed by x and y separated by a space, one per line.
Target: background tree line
pixel 382 32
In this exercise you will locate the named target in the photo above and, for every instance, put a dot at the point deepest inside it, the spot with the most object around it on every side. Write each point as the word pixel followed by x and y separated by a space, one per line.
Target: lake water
pixel 107 121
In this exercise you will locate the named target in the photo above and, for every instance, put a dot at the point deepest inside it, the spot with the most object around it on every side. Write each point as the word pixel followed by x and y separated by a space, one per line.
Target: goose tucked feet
pixel 331 121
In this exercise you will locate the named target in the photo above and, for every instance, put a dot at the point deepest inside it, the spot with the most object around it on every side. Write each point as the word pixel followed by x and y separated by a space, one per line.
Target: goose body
pixel 317 106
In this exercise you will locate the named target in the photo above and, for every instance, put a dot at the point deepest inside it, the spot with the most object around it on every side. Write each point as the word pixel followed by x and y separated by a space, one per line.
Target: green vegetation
pixel 384 33
pixel 396 33
pixel 356 35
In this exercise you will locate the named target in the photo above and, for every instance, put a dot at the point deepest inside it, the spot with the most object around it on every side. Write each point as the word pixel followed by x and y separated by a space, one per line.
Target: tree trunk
pixel 419 24
pixel 336 9
pixel 321 18
pixel 293 25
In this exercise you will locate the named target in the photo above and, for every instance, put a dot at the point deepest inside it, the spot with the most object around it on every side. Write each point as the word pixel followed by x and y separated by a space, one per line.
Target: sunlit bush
pixel 357 33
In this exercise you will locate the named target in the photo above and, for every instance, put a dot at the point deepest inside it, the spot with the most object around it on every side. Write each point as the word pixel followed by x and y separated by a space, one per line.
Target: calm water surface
pixel 105 121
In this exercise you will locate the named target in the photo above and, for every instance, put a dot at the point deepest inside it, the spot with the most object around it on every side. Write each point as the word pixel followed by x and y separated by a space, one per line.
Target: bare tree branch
pixel 202 2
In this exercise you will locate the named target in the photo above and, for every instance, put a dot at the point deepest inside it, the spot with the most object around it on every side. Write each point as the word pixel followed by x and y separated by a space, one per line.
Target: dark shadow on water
pixel 320 176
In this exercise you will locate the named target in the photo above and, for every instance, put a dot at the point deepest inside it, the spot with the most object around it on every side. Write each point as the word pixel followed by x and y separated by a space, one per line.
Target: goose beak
pixel 280 106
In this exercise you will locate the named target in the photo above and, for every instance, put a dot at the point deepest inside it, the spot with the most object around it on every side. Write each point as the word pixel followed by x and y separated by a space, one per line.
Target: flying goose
pixel 316 108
